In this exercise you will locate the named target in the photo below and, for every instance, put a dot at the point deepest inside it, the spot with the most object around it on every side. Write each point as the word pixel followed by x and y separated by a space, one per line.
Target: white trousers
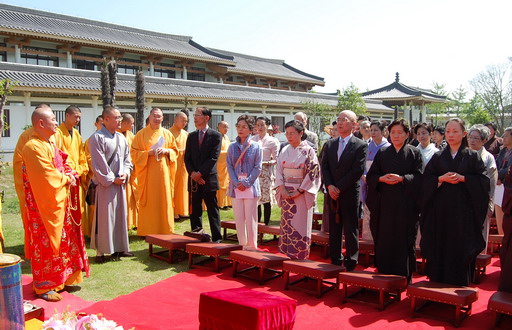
pixel 246 218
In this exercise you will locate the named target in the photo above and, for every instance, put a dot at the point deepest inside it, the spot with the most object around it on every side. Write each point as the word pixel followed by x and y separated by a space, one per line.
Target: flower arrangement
pixel 69 320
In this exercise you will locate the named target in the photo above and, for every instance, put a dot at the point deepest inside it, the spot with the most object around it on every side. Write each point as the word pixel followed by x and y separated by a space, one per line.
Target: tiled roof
pixel 23 20
pixel 246 64
pixel 33 76
pixel 398 91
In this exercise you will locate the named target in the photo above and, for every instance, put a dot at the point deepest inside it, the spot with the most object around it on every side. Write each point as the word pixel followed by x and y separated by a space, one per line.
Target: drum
pixel 11 298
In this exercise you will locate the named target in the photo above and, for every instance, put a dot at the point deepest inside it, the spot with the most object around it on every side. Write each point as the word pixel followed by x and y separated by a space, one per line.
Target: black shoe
pixel 218 241
pixel 123 254
pixel 100 259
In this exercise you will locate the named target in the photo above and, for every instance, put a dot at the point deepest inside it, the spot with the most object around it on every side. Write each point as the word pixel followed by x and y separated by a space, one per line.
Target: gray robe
pixel 110 228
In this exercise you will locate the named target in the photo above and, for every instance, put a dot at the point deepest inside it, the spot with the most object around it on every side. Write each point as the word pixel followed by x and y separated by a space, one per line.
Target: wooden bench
pixel 309 269
pixel 482 261
pixel 500 304
pixel 321 238
pixel 366 249
pixel 225 225
pixel 268 229
pixel 213 250
pixel 390 287
pixel 461 297
pixel 261 261
pixel 170 242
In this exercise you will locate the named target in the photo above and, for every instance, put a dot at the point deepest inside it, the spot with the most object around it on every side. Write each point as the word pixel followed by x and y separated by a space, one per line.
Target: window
pixel 86 64
pixel 277 123
pixel 7 124
pixel 215 120
pixel 3 54
pixel 37 59
pixel 195 75
pixel 60 117
pixel 165 73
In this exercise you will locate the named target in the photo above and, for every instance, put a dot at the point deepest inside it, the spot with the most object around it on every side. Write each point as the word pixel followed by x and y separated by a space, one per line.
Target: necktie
pixel 340 147
pixel 201 136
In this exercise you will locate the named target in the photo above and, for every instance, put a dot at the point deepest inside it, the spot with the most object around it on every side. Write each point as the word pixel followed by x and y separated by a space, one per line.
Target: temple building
pixel 410 103
pixel 56 59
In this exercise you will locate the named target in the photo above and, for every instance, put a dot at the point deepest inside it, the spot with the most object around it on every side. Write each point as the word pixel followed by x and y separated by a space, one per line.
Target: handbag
pixel 90 197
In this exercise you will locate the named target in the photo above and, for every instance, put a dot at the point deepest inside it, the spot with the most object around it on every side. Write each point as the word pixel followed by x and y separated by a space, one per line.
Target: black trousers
pixel 196 217
pixel 266 213
pixel 347 226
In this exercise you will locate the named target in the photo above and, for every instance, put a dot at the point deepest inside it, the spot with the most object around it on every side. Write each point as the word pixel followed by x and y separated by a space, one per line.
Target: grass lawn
pixel 113 278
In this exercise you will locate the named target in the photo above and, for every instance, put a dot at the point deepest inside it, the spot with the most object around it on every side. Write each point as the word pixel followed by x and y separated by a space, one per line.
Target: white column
pixel 151 68
pixel 184 74
pixel 28 111
pixel 17 54
pixel 423 113
pixel 69 60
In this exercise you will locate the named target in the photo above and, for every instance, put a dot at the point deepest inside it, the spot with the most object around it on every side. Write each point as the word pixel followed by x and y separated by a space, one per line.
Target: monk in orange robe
pixel 180 197
pixel 154 154
pixel 72 145
pixel 223 200
pixel 55 240
pixel 132 204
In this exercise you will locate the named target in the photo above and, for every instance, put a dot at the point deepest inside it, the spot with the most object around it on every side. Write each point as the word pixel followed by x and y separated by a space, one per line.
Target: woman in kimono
pixel 455 202
pixel 270 146
pixel 394 181
pixel 427 149
pixel 376 143
pixel 297 182
pixel 438 137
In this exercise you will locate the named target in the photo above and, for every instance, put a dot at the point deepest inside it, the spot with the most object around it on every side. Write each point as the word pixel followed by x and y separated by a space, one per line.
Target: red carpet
pixel 173 304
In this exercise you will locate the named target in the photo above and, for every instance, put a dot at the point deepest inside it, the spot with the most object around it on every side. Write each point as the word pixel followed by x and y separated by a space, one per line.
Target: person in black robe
pixel 455 202
pixel 505 283
pixel 394 183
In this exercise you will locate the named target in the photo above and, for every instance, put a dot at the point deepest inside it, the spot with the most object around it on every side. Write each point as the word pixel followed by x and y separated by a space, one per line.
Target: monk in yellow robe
pixel 55 239
pixel 181 179
pixel 154 154
pixel 72 145
pixel 223 199
pixel 133 206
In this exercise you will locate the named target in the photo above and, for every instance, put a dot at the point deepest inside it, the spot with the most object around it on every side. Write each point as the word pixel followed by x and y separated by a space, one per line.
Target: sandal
pixel 50 296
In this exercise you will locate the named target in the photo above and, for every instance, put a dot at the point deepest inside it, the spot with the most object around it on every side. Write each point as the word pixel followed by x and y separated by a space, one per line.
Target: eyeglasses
pixel 344 119
pixel 196 115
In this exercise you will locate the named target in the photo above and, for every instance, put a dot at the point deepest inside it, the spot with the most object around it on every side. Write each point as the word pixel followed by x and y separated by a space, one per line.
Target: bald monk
pixel 86 177
pixel 127 124
pixel 72 145
pixel 154 154
pixel 180 197
pixel 18 173
pixel 55 239
pixel 223 199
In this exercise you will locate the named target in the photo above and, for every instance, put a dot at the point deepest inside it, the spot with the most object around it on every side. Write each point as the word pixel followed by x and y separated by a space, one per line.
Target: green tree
pixel 494 87
pixel 458 100
pixel 474 112
pixel 351 99
pixel 319 115
pixel 437 111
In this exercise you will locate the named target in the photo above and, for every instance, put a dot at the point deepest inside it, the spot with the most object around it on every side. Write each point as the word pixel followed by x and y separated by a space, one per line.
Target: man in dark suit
pixel 201 154
pixel 342 166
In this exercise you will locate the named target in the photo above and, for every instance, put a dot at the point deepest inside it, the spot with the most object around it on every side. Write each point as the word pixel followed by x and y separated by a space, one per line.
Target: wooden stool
pixel 268 229
pixel 367 249
pixel 228 225
pixel 263 261
pixel 212 250
pixel 321 238
pixel 388 286
pixel 310 269
pixel 494 243
pixel 317 217
pixel 500 303
pixel 171 242
pixel 461 297
pixel 482 261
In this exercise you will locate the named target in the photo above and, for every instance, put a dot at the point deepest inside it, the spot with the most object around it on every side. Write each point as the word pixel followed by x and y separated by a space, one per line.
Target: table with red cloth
pixel 243 308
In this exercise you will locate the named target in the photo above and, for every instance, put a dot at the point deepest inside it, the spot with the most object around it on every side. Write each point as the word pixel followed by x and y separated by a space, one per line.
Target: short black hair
pixel 299 127
pixel 265 119
pixel 493 125
pixel 402 122
pixel 205 111
pixel 439 129
pixel 72 109
pixel 426 126
pixel 380 124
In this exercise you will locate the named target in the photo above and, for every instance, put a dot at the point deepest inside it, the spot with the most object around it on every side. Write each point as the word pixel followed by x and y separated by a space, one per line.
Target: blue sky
pixel 344 41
